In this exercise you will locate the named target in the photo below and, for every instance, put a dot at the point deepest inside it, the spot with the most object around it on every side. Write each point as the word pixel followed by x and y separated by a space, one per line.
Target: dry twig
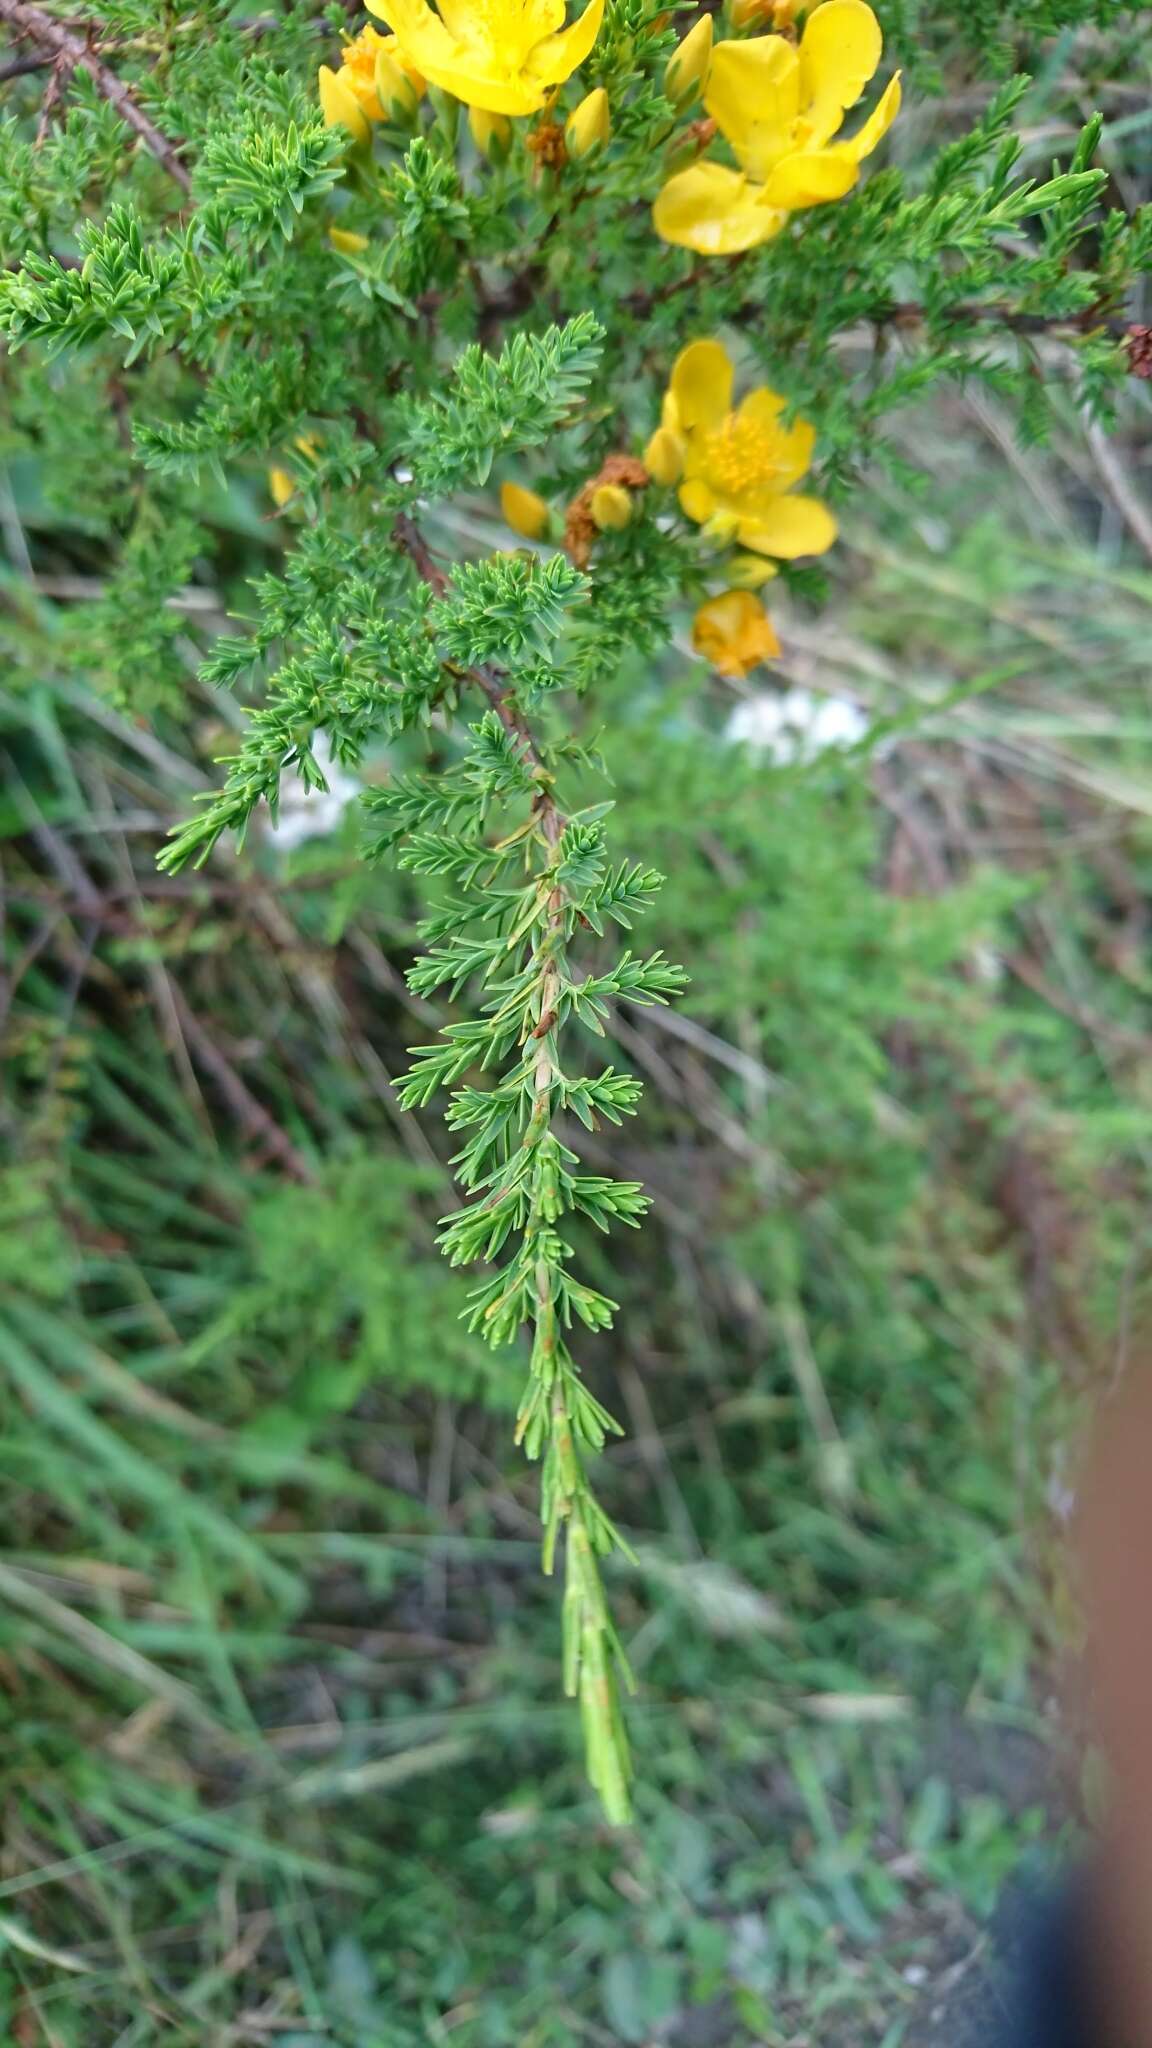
pixel 76 51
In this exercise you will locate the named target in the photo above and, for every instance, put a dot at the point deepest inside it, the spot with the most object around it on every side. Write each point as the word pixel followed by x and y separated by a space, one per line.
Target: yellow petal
pixel 839 52
pixel 753 95
pixel 281 486
pixel 877 125
pixel 811 178
pixel 558 56
pixel 348 244
pixel 471 71
pixel 664 456
pixel 670 413
pixel 495 95
pixel 701 384
pixel 340 106
pixel 524 511
pixel 696 500
pixel 363 88
pixel 522 24
pixel 687 67
pixel 788 528
pixel 411 22
pixel 715 211
pixel 611 507
pixel 761 409
pixel 733 632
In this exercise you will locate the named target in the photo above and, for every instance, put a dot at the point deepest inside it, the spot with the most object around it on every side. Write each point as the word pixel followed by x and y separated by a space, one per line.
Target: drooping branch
pixel 77 51
pixel 411 542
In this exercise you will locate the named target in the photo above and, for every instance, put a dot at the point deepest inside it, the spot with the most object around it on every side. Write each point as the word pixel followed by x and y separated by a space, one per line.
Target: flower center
pixel 740 457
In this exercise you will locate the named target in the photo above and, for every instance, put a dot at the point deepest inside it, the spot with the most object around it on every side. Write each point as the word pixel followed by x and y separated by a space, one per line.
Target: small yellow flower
pixel 503 55
pixel 739 466
pixel 611 507
pixel 525 511
pixel 492 134
pixel 348 244
pixel 280 486
pixel 589 127
pixel 779 106
pixel 733 632
pixel 375 76
pixel 687 67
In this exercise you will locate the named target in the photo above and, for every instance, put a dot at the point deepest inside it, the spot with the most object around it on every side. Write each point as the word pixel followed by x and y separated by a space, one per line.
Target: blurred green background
pixel 284 1755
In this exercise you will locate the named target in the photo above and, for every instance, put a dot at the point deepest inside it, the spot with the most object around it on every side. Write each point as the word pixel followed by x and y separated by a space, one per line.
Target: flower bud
pixel 340 106
pixel 748 572
pixel 687 67
pixel 280 487
pixel 611 507
pixel 492 134
pixel 664 456
pixel 447 110
pixel 395 90
pixel 525 511
pixel 588 128
pixel 348 244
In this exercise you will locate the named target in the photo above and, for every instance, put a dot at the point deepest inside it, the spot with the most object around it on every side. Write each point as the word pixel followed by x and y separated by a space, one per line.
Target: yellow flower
pixel 733 632
pixel 281 486
pixel 525 511
pixel 375 76
pixel 779 106
pixel 687 67
pixel 589 126
pixel 502 55
pixel 738 467
pixel 611 507
pixel 492 134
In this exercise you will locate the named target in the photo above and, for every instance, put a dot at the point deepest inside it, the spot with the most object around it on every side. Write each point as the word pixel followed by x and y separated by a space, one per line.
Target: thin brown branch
pixel 70 48
pixel 994 313
pixel 20 67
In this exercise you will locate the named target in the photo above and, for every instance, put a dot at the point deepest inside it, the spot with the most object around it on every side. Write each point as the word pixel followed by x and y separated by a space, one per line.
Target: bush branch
pixel 76 51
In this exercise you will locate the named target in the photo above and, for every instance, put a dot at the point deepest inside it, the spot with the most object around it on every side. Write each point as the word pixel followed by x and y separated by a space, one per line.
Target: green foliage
pixel 393 386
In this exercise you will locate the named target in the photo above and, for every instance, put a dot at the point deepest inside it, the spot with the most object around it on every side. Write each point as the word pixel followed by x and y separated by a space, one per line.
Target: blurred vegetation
pixel 284 1755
